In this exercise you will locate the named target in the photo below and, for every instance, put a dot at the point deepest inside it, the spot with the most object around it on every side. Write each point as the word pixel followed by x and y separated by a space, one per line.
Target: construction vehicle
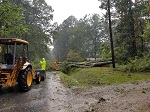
pixel 15 66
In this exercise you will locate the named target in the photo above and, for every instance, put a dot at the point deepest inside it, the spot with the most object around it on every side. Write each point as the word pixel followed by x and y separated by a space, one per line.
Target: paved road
pixel 48 96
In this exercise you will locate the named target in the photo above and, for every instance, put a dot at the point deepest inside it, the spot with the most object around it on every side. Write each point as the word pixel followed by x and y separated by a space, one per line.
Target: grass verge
pixel 101 76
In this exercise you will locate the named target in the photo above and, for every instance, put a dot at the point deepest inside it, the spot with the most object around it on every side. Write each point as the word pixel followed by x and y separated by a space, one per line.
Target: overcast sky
pixel 78 8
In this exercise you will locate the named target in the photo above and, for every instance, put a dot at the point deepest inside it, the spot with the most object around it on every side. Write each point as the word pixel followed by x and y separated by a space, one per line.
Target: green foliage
pixel 89 36
pixel 49 65
pixel 121 57
pixel 65 68
pixel 30 21
pixel 147 32
pixel 124 36
pixel 36 63
pixel 73 56
pixel 106 53
pixel 128 28
pixel 11 20
pixel 62 43
pixel 137 65
pixel 81 31
pixel 84 36
pixel 101 76
pixel 38 16
pixel 68 81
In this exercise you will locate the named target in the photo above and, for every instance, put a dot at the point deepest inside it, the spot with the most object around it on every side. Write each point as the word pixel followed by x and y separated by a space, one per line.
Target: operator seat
pixel 8 57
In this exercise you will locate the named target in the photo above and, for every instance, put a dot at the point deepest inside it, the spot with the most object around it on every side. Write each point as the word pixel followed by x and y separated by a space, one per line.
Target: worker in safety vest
pixel 43 64
pixel 55 64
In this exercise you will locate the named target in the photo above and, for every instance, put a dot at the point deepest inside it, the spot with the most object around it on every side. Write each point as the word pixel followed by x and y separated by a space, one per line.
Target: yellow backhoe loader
pixel 15 66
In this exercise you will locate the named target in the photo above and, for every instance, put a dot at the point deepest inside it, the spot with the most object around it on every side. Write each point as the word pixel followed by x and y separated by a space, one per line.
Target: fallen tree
pixel 100 64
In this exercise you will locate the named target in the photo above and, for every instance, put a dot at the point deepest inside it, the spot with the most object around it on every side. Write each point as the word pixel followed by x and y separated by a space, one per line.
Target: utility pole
pixel 111 39
pixel 135 22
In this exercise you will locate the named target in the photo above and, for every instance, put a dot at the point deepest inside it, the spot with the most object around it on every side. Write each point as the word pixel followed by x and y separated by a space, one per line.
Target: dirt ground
pixel 120 98
pixel 52 96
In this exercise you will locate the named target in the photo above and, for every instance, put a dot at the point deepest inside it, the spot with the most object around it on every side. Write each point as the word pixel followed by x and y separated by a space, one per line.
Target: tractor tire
pixel 38 79
pixel 43 77
pixel 25 80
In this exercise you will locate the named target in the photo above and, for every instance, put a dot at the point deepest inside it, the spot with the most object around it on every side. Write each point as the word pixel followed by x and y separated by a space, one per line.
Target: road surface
pixel 52 96
pixel 48 96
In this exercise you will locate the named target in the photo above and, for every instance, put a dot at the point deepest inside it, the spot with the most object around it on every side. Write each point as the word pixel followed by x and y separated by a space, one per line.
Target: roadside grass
pixel 101 76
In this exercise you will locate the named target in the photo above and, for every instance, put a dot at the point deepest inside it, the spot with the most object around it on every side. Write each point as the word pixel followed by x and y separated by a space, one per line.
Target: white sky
pixel 78 8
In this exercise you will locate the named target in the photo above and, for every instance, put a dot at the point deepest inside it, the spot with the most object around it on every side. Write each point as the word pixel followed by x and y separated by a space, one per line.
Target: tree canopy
pixel 11 20
pixel 89 36
pixel 29 20
pixel 85 38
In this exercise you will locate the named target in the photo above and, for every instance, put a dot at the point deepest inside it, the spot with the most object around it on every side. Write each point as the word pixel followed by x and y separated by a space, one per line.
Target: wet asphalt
pixel 48 96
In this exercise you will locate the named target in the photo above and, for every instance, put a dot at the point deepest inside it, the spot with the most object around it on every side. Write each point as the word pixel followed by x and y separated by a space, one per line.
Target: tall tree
pixel 81 37
pixel 126 38
pixel 96 29
pixel 146 33
pixel 79 41
pixel 124 29
pixel 38 16
pixel 62 43
pixel 11 20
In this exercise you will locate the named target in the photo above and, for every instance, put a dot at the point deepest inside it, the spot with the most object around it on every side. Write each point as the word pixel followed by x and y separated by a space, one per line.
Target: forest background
pixel 84 39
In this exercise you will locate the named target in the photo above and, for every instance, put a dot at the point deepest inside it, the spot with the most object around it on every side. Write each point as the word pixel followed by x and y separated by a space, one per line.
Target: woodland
pixel 84 39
